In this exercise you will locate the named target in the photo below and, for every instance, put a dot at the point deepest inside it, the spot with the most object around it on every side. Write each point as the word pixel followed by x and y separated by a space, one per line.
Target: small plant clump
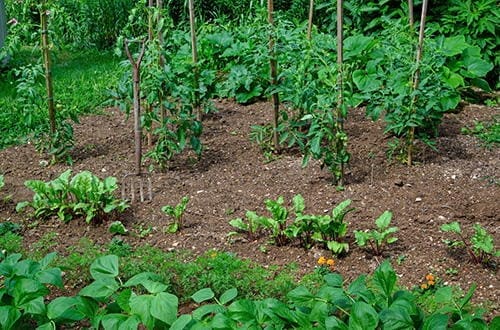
pixel 326 265
pixel 480 246
pixel 65 197
pixel 430 282
pixel 326 230
pixel 378 239
pixel 177 213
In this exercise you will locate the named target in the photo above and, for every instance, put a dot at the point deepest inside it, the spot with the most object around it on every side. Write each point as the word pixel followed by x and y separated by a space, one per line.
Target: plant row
pixel 88 196
pixel 109 302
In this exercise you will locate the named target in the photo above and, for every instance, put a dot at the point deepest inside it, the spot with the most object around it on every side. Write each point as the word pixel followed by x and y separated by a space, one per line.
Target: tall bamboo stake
pixel 310 20
pixel 161 60
pixel 136 77
pixel 410 13
pixel 149 109
pixel 416 77
pixel 194 50
pixel 47 63
pixel 274 74
pixel 340 80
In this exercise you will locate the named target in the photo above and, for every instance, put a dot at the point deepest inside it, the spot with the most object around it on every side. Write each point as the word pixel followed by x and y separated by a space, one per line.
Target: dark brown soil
pixel 460 182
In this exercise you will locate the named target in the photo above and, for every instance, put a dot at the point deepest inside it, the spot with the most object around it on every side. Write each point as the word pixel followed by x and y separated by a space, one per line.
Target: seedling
pixel 252 225
pixel 480 246
pixel 377 239
pixel 177 213
pixel 117 227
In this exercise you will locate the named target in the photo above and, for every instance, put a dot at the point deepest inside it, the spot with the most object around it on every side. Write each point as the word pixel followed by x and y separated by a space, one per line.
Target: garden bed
pixel 459 182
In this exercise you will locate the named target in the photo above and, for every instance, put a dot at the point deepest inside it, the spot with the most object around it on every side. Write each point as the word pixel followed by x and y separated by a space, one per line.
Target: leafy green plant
pixel 177 213
pixel 117 227
pixel 24 288
pixel 83 195
pixel 377 239
pixel 252 225
pixel 2 181
pixel 479 246
pixel 488 132
pixel 9 227
pixel 11 242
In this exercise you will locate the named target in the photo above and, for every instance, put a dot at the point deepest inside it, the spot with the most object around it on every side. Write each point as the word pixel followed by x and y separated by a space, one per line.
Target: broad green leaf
pixel 239 224
pixel 337 247
pixel 228 295
pixel 101 288
pixel 120 322
pixel 123 300
pixel 334 280
pixel 141 306
pixel 164 307
pixel 385 279
pixel 384 220
pixel 50 276
pixel 453 227
pixel 298 204
pixel 465 300
pixel 300 295
pixel 242 310
pixel 203 295
pixel 35 307
pixel 64 308
pixel 104 267
pixel 444 295
pixel 9 316
pixel 363 317
pixel 436 322
pixel 333 323
pixel 366 82
pixel 454 45
pixel 140 278
pixel 154 287
pixel 26 290
pixel 45 262
pixel 209 309
pixel 181 322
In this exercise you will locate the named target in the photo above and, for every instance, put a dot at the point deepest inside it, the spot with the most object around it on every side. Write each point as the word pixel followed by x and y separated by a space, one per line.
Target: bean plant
pixel 377 239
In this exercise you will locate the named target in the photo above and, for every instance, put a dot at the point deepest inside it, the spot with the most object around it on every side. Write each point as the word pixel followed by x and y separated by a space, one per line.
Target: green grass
pixel 487 132
pixel 81 81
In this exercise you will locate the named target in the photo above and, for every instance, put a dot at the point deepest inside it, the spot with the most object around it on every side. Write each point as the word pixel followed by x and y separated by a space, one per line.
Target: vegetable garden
pixel 300 136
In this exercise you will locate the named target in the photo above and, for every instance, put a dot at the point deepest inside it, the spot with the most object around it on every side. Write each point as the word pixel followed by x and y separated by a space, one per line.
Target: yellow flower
pixel 423 286
pixel 429 277
pixel 431 283
pixel 321 260
pixel 330 262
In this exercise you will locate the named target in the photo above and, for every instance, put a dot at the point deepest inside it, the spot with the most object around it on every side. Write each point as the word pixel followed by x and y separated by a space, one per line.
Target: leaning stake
pixel 47 66
pixel 194 50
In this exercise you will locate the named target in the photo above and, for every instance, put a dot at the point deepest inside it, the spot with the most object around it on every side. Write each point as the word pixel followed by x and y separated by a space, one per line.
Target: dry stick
pixel 48 68
pixel 340 82
pixel 416 77
pixel 274 75
pixel 194 50
pixel 136 77
pixel 310 21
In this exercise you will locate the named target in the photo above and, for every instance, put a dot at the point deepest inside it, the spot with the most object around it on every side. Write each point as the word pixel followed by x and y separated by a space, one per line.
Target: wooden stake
pixel 273 65
pixel 161 60
pixel 136 77
pixel 194 50
pixel 310 20
pixel 149 109
pixel 416 77
pixel 340 79
pixel 47 63
pixel 410 13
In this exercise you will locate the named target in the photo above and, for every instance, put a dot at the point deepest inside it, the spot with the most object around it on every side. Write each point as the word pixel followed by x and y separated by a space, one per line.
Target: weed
pixel 11 242
pixel 119 247
pixel 487 132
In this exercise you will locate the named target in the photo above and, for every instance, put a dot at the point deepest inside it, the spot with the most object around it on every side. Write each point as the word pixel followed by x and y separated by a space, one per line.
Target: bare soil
pixel 459 182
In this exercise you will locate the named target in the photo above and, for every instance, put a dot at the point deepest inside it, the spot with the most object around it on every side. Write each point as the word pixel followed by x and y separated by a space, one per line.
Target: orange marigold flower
pixel 431 283
pixel 321 260
pixel 429 277
pixel 423 286
pixel 330 262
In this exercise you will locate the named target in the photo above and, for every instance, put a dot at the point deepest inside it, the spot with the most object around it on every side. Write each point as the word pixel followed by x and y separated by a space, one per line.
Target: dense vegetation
pixel 173 73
